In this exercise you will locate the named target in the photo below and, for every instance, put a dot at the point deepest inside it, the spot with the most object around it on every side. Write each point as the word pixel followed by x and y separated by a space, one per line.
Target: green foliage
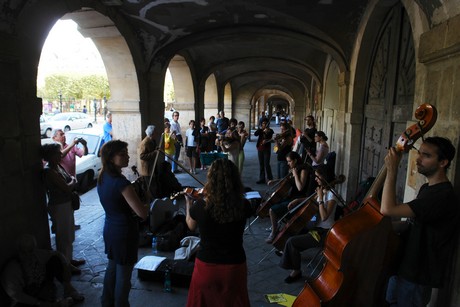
pixel 74 87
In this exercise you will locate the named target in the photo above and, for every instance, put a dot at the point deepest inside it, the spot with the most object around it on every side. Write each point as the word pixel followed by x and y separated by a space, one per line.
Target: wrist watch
pixel 321 202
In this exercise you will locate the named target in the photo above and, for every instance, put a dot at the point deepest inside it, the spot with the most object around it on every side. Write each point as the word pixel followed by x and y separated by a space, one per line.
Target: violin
pixel 361 249
pixel 194 193
pixel 299 217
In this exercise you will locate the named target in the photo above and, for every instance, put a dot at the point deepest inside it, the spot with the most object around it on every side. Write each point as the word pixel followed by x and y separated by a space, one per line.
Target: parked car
pixel 44 126
pixel 89 166
pixel 66 121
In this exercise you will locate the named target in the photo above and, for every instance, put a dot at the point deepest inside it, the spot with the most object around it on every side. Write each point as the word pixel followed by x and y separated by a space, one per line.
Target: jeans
pixel 117 284
pixel 176 157
pixel 403 293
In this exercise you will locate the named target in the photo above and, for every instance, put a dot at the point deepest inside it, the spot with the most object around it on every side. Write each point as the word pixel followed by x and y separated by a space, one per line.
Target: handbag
pixel 75 199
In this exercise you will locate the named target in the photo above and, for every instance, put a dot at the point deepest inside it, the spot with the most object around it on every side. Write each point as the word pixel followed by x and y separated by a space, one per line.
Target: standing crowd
pixel 220 213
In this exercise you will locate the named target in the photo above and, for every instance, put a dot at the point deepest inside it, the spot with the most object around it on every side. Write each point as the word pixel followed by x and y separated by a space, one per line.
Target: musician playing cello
pixel 327 203
pixel 298 179
pixel 432 223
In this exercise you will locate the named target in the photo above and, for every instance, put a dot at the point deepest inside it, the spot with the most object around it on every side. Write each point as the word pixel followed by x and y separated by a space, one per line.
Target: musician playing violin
pixel 432 224
pixel 220 273
pixel 315 236
pixel 283 142
pixel 298 179
pixel 264 138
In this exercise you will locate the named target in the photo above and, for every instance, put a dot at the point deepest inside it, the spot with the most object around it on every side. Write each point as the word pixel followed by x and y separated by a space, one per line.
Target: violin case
pixel 209 157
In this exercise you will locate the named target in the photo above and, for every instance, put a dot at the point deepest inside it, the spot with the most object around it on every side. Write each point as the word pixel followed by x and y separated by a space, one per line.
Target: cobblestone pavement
pixel 264 277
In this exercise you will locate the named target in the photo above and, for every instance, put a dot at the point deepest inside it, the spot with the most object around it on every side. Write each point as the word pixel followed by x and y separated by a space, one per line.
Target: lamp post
pixel 60 101
pixel 95 110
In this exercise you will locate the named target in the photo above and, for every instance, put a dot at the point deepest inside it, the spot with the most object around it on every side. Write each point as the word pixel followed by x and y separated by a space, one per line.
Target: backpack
pixel 171 233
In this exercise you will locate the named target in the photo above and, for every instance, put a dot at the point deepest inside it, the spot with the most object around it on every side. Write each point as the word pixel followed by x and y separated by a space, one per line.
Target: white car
pixel 89 166
pixel 65 121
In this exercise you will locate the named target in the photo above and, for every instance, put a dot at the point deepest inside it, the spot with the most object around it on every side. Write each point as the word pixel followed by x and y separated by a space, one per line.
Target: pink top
pixel 68 162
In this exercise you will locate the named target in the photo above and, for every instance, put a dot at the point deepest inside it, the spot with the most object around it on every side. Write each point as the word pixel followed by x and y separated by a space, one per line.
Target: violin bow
pixel 183 167
pixel 340 179
pixel 156 160
pixel 293 210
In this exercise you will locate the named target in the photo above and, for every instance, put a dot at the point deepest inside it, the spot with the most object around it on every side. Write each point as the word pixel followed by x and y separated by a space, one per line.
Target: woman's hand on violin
pixel 188 200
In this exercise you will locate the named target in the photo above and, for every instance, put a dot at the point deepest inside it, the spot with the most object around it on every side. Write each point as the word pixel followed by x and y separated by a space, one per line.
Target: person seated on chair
pixel 297 183
pixel 315 237
pixel 28 278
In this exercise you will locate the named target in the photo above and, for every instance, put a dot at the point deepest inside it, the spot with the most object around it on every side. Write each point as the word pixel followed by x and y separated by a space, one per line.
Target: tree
pixel 74 87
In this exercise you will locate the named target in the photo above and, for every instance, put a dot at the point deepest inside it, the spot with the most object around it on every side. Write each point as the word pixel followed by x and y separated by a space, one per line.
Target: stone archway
pixel 121 74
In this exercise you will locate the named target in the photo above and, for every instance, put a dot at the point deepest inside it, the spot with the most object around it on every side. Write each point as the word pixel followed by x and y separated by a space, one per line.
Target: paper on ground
pixel 149 263
pixel 281 299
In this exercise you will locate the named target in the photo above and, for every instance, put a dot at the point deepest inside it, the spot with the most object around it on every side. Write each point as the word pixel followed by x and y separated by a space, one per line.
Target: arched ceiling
pixel 247 41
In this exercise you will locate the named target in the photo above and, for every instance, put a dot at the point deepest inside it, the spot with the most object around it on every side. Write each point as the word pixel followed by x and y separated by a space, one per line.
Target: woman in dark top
pixel 121 234
pixel 59 185
pixel 298 180
pixel 220 274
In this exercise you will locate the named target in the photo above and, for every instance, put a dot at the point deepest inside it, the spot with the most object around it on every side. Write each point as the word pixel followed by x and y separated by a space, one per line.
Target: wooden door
pixel 389 103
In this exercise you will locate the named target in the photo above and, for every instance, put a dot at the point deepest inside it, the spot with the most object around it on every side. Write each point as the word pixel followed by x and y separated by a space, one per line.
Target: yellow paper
pixel 282 299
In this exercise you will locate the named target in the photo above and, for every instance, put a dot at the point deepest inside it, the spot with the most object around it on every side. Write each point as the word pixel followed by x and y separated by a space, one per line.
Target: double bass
pixel 361 249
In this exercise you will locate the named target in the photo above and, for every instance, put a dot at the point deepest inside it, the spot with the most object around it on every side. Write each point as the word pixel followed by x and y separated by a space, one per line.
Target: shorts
pixel 191 152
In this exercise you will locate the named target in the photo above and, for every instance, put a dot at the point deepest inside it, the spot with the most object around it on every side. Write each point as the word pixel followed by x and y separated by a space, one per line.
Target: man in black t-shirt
pixel 432 224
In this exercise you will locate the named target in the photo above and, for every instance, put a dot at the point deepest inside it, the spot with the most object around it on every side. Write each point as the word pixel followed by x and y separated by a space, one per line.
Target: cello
pixel 299 217
pixel 360 249
pixel 283 190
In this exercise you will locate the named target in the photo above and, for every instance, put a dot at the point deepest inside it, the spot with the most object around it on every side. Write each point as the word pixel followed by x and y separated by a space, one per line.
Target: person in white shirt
pixel 175 127
pixel 191 142
pixel 315 237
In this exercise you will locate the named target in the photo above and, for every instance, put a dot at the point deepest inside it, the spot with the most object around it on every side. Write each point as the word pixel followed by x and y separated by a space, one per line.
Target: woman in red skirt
pixel 220 274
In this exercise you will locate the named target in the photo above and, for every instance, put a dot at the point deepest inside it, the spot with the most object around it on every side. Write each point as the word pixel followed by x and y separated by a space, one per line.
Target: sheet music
pixel 149 263
pixel 252 195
